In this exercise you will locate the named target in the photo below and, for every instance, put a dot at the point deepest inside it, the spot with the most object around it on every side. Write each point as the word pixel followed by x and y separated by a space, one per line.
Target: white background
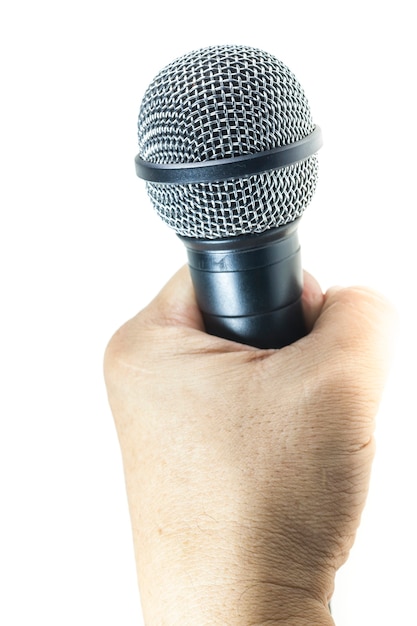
pixel 81 251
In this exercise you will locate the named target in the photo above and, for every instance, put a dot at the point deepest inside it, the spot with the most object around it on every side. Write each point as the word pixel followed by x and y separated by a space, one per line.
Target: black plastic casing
pixel 249 288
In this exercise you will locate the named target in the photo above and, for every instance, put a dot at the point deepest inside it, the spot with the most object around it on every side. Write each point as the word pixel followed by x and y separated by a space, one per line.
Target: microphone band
pixel 237 167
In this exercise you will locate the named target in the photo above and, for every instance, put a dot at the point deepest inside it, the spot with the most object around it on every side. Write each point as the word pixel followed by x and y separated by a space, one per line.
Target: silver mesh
pixel 222 102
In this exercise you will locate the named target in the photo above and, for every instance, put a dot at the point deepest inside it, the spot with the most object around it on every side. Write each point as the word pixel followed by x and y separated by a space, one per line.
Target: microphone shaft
pixel 249 288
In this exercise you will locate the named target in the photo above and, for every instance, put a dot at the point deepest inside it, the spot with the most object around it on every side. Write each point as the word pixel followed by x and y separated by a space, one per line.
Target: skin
pixel 246 470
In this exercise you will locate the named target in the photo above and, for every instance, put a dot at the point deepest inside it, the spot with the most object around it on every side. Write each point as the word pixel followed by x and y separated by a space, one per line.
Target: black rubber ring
pixel 226 169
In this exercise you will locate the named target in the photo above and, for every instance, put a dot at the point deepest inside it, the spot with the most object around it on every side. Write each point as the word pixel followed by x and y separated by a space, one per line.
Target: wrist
pixel 224 567
pixel 235 605
pixel 270 604
pixel 220 585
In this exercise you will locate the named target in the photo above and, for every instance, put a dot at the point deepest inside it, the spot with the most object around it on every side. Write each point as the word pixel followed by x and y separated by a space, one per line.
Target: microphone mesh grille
pixel 222 102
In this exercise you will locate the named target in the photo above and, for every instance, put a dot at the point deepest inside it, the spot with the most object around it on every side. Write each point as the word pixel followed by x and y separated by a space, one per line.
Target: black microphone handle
pixel 249 288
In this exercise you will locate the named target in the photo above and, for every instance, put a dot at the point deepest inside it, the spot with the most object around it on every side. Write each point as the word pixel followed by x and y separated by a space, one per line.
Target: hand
pixel 246 470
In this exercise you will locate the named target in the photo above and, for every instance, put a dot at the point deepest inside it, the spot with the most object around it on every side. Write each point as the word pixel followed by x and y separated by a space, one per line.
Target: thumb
pixel 175 304
pixel 174 308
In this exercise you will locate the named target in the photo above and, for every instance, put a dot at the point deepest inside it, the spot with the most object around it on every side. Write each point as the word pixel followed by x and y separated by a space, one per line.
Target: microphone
pixel 227 148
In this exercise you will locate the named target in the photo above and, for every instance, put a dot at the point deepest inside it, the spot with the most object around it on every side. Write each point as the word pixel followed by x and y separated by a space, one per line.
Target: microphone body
pixel 249 288
pixel 227 148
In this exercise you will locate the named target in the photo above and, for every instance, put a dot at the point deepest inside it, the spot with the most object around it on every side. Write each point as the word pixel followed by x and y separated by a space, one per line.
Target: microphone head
pixel 218 103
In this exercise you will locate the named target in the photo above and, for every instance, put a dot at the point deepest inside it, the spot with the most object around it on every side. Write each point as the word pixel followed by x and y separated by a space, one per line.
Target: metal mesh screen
pixel 222 102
